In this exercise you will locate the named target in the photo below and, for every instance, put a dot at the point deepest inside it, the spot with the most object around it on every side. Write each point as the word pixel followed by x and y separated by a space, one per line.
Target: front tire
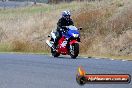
pixel 74 51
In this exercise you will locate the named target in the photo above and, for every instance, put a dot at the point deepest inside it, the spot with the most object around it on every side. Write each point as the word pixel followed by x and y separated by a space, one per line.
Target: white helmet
pixel 66 13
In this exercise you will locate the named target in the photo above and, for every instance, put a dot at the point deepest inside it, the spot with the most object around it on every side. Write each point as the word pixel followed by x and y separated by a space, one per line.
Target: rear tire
pixel 54 53
pixel 75 51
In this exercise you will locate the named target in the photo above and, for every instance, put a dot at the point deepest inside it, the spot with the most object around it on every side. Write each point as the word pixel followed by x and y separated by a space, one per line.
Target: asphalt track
pixel 14 4
pixel 42 71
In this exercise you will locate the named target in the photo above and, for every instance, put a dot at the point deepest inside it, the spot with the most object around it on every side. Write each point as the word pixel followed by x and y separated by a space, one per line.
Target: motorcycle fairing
pixel 62 46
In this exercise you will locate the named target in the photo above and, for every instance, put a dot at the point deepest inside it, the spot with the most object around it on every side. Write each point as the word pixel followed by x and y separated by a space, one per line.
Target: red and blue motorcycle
pixel 68 44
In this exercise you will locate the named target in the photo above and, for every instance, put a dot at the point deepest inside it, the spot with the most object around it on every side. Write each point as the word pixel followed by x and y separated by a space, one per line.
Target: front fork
pixel 71 46
pixel 71 49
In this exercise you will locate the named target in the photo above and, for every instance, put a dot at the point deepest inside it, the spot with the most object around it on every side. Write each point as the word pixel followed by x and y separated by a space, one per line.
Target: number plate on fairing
pixel 63 43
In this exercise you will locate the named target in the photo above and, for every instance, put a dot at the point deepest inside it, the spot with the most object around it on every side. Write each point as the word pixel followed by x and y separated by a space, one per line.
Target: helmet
pixel 65 14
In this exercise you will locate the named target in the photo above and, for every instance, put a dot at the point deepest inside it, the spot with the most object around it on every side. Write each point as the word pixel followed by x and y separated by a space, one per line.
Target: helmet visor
pixel 67 16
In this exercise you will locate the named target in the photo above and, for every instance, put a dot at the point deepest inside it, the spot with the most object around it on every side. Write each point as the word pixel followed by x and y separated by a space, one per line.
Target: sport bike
pixel 68 44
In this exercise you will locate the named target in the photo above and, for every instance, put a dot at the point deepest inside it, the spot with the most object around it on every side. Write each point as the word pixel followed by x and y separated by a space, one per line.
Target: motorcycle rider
pixel 65 20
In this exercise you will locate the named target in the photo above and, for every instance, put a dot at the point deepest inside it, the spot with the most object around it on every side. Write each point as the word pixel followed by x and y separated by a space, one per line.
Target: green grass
pixel 26 10
pixel 42 8
pixel 108 56
pixel 9 14
pixel 5 47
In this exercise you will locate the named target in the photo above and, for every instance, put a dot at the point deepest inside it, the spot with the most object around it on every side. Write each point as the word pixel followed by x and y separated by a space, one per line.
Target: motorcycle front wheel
pixel 74 50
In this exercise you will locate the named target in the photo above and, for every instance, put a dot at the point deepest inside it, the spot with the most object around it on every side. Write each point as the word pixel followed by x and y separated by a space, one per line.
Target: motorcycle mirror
pixel 80 28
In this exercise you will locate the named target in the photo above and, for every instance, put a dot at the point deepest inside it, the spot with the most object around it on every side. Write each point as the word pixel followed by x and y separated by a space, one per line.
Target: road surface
pixel 14 4
pixel 42 71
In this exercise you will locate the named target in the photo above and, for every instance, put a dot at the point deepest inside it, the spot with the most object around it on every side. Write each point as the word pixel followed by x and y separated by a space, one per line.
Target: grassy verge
pixel 5 48
pixel 81 55
pixel 104 56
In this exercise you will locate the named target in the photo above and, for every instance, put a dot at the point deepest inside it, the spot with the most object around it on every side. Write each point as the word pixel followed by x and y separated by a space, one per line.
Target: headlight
pixel 75 35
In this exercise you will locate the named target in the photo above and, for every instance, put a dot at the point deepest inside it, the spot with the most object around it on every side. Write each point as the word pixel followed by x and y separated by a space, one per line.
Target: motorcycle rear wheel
pixel 54 53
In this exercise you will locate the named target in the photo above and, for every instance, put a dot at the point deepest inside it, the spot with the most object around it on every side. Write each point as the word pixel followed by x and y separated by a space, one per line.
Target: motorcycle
pixel 68 44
